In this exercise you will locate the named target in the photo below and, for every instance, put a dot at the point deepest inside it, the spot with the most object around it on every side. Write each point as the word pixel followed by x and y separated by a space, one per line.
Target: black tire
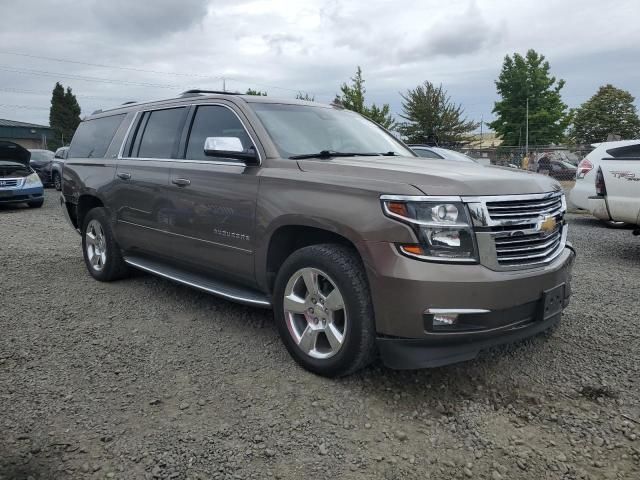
pixel 36 204
pixel 345 269
pixel 113 267
pixel 57 181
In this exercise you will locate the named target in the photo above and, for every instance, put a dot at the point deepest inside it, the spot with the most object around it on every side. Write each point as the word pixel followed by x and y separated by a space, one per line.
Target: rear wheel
pixel 323 310
pixel 102 255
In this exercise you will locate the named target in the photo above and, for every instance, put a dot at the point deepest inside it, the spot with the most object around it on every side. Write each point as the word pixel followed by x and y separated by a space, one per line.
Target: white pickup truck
pixel 617 186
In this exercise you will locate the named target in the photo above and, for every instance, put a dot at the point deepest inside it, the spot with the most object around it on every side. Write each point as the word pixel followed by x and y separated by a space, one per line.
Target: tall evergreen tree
pixel 352 98
pixel 64 116
pixel 610 111
pixel 432 117
pixel 528 78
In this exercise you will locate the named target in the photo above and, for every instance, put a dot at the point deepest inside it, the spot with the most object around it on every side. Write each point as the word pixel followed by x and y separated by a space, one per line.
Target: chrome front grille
pixel 10 182
pixel 522 249
pixel 519 231
pixel 524 209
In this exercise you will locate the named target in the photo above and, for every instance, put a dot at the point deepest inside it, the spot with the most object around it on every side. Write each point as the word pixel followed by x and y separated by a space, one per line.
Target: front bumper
pixel 508 305
pixel 21 195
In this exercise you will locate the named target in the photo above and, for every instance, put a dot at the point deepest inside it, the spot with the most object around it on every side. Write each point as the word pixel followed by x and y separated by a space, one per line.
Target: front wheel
pixel 102 254
pixel 57 181
pixel 36 204
pixel 323 310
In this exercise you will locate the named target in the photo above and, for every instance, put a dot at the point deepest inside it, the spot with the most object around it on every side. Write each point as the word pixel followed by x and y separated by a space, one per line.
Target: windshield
pixel 41 155
pixel 308 130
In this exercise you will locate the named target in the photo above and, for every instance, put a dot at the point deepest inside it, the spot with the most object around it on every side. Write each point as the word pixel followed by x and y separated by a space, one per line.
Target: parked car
pixel 585 186
pixel 19 183
pixel 42 163
pixel 438 153
pixel 617 186
pixel 558 169
pixel 324 216
pixel 57 165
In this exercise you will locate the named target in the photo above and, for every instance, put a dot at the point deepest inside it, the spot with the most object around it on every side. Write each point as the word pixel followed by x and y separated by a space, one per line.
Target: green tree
pixel 527 78
pixel 432 117
pixel 64 116
pixel 305 96
pixel 251 91
pixel 352 98
pixel 610 111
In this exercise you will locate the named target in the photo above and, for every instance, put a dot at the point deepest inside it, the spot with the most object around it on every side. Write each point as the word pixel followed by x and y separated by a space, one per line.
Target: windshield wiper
pixel 332 153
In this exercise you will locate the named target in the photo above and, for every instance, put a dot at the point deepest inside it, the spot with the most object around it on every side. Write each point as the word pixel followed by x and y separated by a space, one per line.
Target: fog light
pixel 444 319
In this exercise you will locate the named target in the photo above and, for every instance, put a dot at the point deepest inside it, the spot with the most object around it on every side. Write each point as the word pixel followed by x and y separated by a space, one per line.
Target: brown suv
pixel 358 245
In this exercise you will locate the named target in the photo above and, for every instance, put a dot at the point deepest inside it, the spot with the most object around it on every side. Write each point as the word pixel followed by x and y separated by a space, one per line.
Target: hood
pixel 12 152
pixel 436 177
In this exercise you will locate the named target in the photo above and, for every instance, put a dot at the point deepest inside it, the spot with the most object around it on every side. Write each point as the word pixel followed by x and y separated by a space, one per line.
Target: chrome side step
pixel 200 282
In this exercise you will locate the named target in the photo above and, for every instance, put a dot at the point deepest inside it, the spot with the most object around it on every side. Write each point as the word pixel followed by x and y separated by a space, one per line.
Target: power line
pixel 112 67
pixel 25 107
pixel 142 70
pixel 35 92
pixel 44 73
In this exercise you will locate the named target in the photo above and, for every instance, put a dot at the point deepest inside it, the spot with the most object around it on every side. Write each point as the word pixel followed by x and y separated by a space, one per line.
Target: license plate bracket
pixel 552 302
pixel 6 193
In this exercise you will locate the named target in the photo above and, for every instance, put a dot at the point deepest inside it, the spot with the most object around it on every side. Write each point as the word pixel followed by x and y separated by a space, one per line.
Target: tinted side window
pixel 162 133
pixel 92 138
pixel 214 121
pixel 630 151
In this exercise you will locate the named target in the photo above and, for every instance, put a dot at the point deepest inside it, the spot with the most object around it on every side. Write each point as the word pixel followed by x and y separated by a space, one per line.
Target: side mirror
pixel 230 147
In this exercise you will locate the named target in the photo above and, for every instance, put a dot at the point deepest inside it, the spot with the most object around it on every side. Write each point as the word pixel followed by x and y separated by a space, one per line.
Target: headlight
pixel 442 227
pixel 32 180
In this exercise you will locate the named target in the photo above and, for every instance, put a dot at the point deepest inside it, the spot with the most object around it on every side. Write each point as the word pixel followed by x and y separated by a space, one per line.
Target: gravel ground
pixel 146 379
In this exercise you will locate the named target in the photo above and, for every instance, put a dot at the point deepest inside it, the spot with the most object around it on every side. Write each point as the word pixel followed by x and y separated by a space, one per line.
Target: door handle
pixel 124 175
pixel 181 182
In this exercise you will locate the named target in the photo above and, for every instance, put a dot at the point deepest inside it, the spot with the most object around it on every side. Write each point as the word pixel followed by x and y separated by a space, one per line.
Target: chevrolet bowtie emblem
pixel 547 224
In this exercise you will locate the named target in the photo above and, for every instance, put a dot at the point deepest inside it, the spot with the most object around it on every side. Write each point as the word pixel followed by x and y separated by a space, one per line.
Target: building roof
pixel 13 123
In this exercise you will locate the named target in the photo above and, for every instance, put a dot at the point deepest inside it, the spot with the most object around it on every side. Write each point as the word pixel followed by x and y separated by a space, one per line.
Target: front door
pixel 215 199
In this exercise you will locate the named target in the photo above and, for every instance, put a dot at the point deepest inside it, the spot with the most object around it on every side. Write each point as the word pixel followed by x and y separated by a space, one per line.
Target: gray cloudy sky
pixel 161 47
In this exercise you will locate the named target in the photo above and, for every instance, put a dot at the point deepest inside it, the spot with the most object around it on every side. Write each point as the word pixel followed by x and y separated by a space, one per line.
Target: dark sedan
pixel 558 169
pixel 42 163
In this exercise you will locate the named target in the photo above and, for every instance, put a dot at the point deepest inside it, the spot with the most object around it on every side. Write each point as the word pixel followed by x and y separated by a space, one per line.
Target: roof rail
pixel 129 102
pixel 191 93
pixel 96 111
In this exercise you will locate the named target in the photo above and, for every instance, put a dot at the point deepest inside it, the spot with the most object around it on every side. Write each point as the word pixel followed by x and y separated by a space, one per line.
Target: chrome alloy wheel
pixel 315 313
pixel 96 245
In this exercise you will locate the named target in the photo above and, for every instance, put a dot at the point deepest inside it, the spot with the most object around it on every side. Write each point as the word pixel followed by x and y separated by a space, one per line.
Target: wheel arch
pixel 287 237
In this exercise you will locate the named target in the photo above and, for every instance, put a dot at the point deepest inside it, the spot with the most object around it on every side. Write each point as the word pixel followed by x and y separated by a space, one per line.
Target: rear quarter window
pixel 92 138
pixel 630 152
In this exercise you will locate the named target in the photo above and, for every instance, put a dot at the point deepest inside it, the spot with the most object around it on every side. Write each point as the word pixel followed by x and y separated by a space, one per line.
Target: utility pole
pixel 481 136
pixel 224 84
pixel 526 147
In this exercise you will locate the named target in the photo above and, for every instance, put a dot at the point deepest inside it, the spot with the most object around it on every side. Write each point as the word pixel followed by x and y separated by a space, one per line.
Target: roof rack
pixel 191 93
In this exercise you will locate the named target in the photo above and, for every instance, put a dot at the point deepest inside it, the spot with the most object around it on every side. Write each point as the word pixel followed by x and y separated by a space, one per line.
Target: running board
pixel 201 282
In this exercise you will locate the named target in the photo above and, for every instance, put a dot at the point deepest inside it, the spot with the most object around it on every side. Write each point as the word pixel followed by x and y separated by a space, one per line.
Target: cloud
pixel 456 35
pixel 285 46
pixel 148 20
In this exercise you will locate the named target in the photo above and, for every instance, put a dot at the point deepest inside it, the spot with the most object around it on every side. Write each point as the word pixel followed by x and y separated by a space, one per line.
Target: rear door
pixel 142 176
pixel 621 170
pixel 214 198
